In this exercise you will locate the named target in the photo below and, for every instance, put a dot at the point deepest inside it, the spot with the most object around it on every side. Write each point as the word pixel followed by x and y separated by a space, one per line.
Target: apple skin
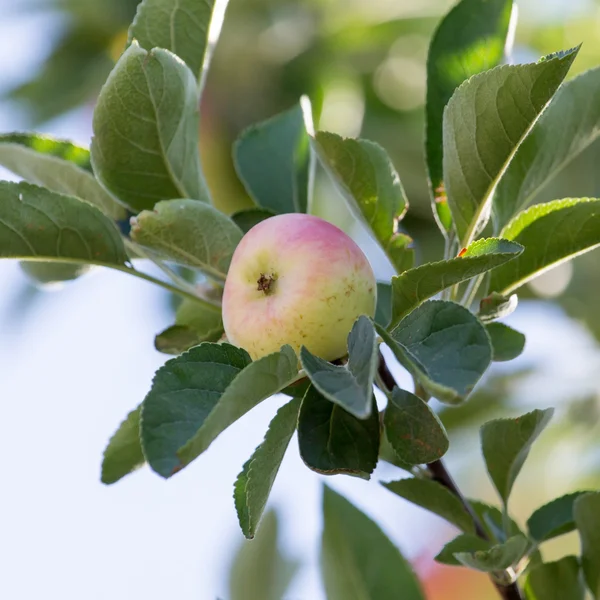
pixel 316 282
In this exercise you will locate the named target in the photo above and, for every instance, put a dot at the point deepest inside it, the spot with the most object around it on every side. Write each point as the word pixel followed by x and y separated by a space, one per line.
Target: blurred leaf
pixel 558 580
pixel 587 518
pixel 181 27
pixel 332 441
pixel 260 571
pixel 496 306
pixel 272 160
pixel 351 387
pixel 465 542
pixel 194 323
pixel 71 75
pixel 358 561
pixel 493 520
pixel 145 144
pixel 254 483
pixel 247 219
pixel 434 497
pixel 59 166
pixel 124 451
pixel 416 285
pixel 46 146
pixel 444 346
pixel 190 233
pixel 44 273
pixel 196 396
pixel 470 38
pixel 485 121
pixel 507 343
pixel 36 223
pixel 506 443
pixel 413 429
pixel 370 184
pixel 553 519
pixel 568 126
pixel 496 558
pixel 551 233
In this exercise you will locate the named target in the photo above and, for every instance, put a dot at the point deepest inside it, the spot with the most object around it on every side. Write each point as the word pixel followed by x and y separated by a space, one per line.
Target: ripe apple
pixel 296 279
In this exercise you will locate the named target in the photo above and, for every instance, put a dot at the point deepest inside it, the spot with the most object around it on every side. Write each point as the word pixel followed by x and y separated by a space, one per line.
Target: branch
pixel 439 473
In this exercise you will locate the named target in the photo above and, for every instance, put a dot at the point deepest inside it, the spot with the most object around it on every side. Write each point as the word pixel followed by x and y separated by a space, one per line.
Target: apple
pixel 296 279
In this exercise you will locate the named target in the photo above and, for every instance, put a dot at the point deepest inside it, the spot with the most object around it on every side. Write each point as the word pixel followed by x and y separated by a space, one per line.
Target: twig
pixel 439 473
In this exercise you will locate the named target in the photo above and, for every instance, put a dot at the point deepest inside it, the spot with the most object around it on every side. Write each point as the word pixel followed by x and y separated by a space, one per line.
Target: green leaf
pixel 272 160
pixel 358 561
pixel 587 518
pixel 254 483
pixel 463 543
pixel 59 166
pixel 485 121
pixel 48 273
pixel 553 519
pixel 416 285
pixel 370 184
pixel 496 306
pixel 507 343
pixel 124 451
pixel 190 233
pixel 198 395
pixel 333 441
pixel 351 387
pixel 247 219
pixel 470 38
pixel 435 498
pixel 383 313
pixel 551 233
pixel 568 126
pixel 506 443
pixel 181 27
pixel 493 520
pixel 413 429
pixel 496 558
pixel 36 223
pixel 145 144
pixel 260 570
pixel 558 580
pixel 444 346
pixel 194 324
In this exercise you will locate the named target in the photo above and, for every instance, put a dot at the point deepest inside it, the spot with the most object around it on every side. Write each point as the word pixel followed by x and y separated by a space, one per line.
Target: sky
pixel 82 358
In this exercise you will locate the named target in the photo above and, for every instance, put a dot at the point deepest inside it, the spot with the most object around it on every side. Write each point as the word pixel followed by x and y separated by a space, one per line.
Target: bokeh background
pixel 75 359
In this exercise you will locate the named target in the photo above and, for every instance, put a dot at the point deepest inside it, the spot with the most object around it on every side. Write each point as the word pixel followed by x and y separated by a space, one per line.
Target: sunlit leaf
pixel 485 121
pixel 145 144
pixel 190 233
pixel 551 233
pixel 416 285
pixel 38 224
pixel 370 184
pixel 568 126
pixel 470 38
